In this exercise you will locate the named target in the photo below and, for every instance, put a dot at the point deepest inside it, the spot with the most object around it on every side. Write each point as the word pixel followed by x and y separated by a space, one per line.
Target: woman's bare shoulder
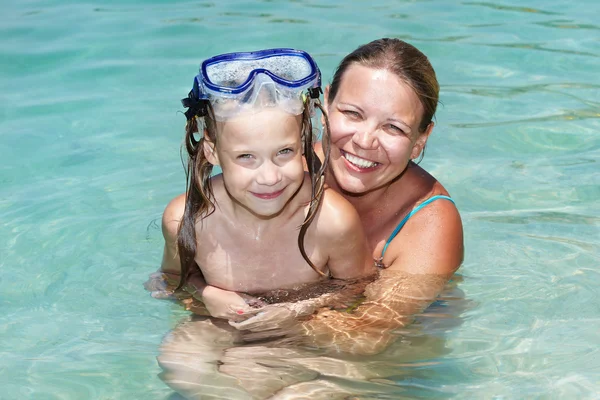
pixel 431 241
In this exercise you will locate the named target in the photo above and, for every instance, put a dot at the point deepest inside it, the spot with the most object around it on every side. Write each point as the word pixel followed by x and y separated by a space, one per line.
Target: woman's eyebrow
pixel 350 105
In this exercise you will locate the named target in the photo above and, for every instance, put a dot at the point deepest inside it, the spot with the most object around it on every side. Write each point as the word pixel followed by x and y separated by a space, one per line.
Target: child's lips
pixel 268 196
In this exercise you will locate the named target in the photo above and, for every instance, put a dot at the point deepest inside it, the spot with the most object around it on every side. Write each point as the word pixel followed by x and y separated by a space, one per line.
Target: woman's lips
pixel 268 196
pixel 358 164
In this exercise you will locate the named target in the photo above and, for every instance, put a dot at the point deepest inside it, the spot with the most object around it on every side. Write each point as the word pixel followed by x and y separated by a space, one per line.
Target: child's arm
pixel 340 232
pixel 171 265
pixel 219 303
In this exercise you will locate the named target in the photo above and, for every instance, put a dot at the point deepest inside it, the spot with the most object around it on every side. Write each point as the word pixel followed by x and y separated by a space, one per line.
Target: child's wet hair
pixel 199 199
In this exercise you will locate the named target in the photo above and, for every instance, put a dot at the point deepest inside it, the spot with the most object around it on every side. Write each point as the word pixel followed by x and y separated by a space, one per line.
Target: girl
pixel 261 225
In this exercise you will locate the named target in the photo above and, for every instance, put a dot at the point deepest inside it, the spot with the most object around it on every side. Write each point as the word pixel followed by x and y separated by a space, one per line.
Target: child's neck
pixel 258 224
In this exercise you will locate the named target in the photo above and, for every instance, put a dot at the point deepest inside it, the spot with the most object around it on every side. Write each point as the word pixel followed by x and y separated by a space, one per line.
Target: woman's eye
pixel 396 129
pixel 351 114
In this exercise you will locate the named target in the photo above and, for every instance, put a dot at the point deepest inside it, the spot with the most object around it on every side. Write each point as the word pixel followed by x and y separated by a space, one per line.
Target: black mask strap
pixel 195 107
pixel 314 92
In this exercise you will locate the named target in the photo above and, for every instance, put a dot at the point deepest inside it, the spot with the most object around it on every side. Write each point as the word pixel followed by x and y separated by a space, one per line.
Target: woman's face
pixel 374 121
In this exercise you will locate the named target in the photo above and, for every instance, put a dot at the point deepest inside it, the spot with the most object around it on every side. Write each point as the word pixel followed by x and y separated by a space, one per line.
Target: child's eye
pixel 286 151
pixel 244 156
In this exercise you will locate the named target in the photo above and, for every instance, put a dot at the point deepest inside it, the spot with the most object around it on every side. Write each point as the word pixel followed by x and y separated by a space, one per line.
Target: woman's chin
pixel 352 185
pixel 352 182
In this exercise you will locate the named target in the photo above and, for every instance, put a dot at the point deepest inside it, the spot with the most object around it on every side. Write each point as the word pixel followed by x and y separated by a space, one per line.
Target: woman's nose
pixel 366 137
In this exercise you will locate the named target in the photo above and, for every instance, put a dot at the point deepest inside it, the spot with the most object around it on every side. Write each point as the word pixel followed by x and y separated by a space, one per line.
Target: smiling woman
pixel 381 105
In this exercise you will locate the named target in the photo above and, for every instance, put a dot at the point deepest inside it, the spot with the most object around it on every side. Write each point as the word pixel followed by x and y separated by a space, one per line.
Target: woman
pixel 381 105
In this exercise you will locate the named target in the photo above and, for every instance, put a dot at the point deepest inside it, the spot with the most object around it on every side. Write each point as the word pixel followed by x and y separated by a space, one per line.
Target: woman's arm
pixel 391 302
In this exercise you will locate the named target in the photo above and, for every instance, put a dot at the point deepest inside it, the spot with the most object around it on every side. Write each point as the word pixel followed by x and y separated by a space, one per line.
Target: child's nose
pixel 269 174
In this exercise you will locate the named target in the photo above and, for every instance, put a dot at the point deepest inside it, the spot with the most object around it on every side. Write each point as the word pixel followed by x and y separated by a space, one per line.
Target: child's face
pixel 261 158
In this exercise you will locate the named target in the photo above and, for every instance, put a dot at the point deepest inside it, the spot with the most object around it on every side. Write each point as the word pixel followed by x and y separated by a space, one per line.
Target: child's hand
pixel 227 305
pixel 161 285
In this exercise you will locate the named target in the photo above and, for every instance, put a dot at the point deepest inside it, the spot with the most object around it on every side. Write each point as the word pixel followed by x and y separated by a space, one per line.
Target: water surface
pixel 90 128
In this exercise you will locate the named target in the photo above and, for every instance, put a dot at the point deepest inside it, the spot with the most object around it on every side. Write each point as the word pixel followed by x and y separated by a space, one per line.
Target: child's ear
pixel 421 141
pixel 209 150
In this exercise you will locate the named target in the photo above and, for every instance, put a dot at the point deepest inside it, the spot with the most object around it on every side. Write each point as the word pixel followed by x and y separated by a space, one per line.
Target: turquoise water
pixel 90 130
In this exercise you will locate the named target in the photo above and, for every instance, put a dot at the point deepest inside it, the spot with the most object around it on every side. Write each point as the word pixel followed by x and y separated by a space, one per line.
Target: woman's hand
pixel 281 316
pixel 276 319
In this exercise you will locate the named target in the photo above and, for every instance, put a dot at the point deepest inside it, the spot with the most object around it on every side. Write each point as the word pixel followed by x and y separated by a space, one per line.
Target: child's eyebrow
pixel 291 144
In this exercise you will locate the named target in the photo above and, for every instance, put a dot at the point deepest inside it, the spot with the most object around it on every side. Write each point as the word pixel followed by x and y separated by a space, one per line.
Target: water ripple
pixel 288 21
pixel 411 38
pixel 538 47
pixel 510 8
pixel 523 217
pixel 566 24
pixel 567 115
pixel 509 91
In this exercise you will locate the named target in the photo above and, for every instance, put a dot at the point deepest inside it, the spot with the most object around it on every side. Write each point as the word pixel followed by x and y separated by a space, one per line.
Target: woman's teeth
pixel 359 162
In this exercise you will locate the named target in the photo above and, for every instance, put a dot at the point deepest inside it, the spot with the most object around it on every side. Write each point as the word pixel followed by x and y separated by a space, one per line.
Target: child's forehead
pixel 260 120
pixel 264 127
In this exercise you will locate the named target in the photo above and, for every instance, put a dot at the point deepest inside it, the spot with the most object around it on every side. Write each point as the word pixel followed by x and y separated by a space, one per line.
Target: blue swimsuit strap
pixel 410 214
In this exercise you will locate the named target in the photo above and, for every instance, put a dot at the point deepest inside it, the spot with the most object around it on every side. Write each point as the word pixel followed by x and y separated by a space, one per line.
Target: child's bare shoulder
pixel 174 211
pixel 336 215
pixel 172 215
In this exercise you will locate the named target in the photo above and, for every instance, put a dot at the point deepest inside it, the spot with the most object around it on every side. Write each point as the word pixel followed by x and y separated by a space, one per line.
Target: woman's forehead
pixel 381 90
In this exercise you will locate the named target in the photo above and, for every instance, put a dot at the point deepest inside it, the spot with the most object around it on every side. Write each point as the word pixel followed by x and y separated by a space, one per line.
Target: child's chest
pixel 244 260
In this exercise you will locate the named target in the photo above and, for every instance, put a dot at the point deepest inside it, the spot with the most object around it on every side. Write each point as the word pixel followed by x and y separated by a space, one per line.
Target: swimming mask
pixel 250 81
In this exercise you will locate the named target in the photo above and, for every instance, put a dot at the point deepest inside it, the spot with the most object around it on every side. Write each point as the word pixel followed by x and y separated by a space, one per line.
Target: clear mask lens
pixel 249 82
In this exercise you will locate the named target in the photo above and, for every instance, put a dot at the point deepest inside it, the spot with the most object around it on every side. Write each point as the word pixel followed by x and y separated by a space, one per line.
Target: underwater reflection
pixel 364 351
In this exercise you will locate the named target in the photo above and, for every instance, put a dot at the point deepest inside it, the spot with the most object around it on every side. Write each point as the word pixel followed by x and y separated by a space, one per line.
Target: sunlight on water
pixel 90 128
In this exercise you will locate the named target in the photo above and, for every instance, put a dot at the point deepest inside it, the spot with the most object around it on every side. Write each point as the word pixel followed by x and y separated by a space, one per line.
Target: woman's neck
pixel 366 203
pixel 373 200
pixel 393 198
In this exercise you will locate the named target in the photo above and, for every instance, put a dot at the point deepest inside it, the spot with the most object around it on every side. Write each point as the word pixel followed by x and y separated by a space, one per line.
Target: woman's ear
pixel 421 142
pixel 210 152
